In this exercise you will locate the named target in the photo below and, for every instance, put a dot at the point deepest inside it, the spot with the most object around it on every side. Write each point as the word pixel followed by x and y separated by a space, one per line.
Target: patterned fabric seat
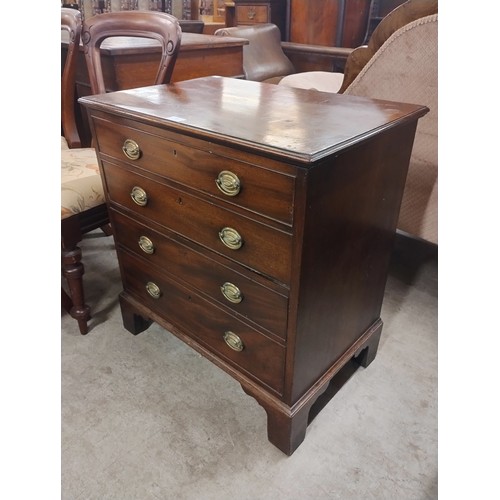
pixel 81 185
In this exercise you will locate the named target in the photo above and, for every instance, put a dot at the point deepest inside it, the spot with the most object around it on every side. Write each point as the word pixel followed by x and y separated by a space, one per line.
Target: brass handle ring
pixel 231 292
pixel 146 245
pixel 131 149
pixel 153 289
pixel 228 183
pixel 139 196
pixel 231 238
pixel 233 341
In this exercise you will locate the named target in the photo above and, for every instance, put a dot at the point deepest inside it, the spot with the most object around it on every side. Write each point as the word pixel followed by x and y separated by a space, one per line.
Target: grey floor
pixel 144 417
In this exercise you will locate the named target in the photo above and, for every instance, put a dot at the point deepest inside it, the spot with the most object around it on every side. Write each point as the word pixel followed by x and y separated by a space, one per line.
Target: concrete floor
pixel 147 418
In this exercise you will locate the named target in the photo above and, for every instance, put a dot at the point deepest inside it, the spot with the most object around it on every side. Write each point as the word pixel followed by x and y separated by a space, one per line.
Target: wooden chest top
pixel 286 123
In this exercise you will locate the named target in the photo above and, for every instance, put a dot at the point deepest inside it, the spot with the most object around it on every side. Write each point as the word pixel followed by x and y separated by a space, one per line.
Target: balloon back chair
pixel 83 204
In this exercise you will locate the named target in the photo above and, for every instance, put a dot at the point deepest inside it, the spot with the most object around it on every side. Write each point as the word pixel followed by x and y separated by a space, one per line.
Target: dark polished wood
pixel 306 57
pixel 249 12
pixel 333 23
pixel 313 184
pixel 134 61
pixel 156 27
pixel 74 227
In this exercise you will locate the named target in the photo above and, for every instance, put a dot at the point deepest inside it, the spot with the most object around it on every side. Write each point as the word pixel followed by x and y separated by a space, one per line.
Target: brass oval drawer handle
pixel 233 341
pixel 231 292
pixel 228 183
pixel 139 196
pixel 146 245
pixel 153 289
pixel 131 149
pixel 231 238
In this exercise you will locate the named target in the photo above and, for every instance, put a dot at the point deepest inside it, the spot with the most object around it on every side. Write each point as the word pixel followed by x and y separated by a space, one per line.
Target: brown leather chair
pixel 263 57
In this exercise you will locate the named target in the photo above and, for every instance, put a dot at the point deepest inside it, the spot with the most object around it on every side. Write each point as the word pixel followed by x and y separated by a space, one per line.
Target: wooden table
pixel 256 223
pixel 130 62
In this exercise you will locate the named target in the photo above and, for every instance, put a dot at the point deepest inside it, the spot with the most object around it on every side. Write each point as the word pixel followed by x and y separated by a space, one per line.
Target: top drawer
pixel 252 14
pixel 260 190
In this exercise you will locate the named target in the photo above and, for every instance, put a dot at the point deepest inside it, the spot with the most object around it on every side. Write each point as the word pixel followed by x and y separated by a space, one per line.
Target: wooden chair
pixel 143 24
pixel 83 204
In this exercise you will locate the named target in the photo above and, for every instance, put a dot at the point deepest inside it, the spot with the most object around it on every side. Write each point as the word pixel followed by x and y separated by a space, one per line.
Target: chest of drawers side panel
pixel 349 222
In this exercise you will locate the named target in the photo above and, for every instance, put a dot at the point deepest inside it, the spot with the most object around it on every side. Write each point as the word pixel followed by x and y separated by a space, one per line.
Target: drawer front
pixel 249 186
pixel 263 248
pixel 252 14
pixel 260 357
pixel 258 303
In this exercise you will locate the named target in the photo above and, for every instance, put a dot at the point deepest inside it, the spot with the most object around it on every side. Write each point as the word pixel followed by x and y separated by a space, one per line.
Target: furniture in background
pixel 265 251
pixel 264 58
pixel 400 64
pixel 83 206
pixel 333 23
pixel 158 26
pixel 252 12
pixel 191 26
pixel 133 62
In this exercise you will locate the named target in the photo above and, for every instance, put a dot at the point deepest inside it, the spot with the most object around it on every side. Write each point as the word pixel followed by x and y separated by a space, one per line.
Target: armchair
pixel 265 60
pixel 400 64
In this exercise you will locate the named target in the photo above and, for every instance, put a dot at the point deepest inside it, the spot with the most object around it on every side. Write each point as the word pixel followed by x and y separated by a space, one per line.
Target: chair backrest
pixel 144 24
pixel 396 19
pixel 405 69
pixel 71 22
pixel 263 57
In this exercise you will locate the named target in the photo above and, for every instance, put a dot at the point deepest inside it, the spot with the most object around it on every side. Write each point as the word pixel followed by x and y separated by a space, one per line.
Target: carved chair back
pixel 144 24
pixel 71 22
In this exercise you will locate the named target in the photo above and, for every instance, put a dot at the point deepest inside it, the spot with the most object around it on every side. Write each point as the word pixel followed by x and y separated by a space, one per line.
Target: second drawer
pixel 258 246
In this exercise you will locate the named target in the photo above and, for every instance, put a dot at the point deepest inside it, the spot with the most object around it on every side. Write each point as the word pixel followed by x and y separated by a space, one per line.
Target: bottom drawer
pixel 230 339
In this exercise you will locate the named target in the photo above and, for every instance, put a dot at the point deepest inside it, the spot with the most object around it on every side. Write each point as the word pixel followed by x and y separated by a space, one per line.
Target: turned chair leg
pixel 73 271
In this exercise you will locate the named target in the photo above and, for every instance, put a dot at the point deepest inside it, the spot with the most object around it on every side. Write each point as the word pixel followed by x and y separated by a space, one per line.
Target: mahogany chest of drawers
pixel 256 222
pixel 249 12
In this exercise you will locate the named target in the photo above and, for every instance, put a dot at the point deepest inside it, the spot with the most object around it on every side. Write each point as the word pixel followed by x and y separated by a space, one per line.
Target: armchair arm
pixel 292 47
pixel 307 57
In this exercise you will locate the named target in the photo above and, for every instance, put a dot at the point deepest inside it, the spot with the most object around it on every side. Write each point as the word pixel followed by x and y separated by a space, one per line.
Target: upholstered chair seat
pixel 81 184
pixel 323 81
